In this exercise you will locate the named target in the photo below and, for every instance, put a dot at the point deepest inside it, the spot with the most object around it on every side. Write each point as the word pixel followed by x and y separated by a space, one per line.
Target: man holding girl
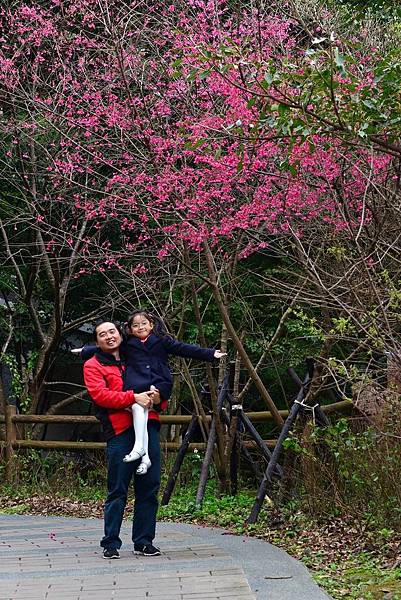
pixel 142 383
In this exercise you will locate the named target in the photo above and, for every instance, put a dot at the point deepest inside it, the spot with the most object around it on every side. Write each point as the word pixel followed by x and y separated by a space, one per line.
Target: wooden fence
pixel 11 420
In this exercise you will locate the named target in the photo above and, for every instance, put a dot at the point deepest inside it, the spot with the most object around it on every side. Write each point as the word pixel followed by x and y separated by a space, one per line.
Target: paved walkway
pixel 51 558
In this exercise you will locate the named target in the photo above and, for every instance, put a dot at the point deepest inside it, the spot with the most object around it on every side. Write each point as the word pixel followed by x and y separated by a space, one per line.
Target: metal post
pixel 210 446
pixel 179 460
pixel 267 478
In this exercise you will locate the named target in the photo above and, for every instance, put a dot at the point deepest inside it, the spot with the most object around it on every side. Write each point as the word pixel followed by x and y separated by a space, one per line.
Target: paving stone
pixel 60 559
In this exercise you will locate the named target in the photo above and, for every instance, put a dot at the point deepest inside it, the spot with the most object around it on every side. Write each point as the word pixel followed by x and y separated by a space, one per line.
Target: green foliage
pixel 342 326
pixel 225 511
pixel 74 474
pixel 357 472
pixel 293 443
pixel 384 10
pixel 351 373
pixel 16 382
pixel 304 337
pixel 19 509
pixel 222 511
pixel 360 576
pixel 17 385
pixel 331 87
pixel 305 326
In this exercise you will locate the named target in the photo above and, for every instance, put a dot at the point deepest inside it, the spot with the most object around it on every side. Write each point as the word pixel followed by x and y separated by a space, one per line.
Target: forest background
pixel 235 168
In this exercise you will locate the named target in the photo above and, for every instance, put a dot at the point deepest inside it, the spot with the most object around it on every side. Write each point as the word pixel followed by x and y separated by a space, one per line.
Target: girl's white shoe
pixel 134 455
pixel 143 467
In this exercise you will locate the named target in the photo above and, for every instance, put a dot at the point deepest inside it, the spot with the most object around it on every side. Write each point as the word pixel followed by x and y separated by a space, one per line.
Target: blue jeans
pixel 146 488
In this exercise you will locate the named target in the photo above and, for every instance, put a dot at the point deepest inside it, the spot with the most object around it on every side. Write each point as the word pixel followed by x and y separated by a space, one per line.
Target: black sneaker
pixel 111 553
pixel 146 550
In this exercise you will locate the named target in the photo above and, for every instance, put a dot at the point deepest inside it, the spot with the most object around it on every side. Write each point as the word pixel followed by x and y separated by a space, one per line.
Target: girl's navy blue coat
pixel 147 362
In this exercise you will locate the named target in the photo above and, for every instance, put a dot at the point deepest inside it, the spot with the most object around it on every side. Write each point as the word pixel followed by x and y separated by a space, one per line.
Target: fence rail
pixel 11 419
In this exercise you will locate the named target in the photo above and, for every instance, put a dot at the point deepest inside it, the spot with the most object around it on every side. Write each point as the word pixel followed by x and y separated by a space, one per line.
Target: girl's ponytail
pixel 159 327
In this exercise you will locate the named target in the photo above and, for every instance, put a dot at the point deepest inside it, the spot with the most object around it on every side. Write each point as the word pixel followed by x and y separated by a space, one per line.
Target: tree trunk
pixel 236 340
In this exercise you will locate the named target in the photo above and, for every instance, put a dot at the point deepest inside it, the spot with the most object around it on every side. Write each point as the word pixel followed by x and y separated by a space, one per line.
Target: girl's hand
pixel 219 354
pixel 155 395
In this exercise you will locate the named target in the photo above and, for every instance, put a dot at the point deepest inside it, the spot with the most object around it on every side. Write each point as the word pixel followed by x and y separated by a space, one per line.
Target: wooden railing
pixel 11 420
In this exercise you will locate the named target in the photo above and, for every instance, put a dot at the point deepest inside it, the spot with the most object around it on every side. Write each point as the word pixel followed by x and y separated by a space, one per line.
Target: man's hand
pixel 144 399
pixel 219 354
pixel 76 350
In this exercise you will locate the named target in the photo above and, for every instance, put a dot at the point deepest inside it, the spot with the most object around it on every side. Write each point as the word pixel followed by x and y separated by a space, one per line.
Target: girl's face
pixel 141 327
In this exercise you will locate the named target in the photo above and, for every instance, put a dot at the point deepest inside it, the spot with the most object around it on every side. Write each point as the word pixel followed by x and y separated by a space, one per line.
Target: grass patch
pixel 360 579
pixel 18 509
pixel 227 511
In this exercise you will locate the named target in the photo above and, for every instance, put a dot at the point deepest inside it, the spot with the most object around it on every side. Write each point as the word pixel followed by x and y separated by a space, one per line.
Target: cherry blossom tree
pixel 157 150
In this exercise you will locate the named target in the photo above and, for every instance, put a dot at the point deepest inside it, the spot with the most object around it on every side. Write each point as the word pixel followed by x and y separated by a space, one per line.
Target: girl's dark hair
pixel 101 321
pixel 159 327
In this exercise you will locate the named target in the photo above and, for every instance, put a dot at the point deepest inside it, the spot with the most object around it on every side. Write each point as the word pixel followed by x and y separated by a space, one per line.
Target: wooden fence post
pixel 11 436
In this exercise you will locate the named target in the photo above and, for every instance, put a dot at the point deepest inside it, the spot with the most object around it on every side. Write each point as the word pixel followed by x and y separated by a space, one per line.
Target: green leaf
pixel 204 74
pixel 192 75
pixel 283 109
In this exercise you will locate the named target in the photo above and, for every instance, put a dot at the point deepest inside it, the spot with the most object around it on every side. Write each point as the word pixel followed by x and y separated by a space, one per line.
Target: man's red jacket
pixel 103 376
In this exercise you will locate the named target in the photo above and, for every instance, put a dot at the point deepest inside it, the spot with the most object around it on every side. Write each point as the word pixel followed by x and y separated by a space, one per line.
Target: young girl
pixel 146 352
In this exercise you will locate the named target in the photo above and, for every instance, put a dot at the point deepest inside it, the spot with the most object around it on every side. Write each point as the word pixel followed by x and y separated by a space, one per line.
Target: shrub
pixel 351 468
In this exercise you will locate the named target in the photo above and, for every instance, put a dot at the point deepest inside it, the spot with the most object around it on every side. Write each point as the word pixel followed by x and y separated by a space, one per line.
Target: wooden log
pixel 318 413
pixel 65 445
pixel 11 436
pixel 48 419
pixel 255 417
pixel 87 419
pixel 233 448
pixel 179 460
pixel 272 464
pixel 232 442
pixel 296 379
pixel 342 406
pixel 59 445
pixel 244 445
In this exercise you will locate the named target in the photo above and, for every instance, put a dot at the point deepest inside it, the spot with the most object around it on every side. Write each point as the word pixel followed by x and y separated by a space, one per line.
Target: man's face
pixel 107 337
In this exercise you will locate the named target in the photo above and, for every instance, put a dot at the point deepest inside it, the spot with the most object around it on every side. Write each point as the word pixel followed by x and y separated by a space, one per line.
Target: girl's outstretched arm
pixel 190 350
